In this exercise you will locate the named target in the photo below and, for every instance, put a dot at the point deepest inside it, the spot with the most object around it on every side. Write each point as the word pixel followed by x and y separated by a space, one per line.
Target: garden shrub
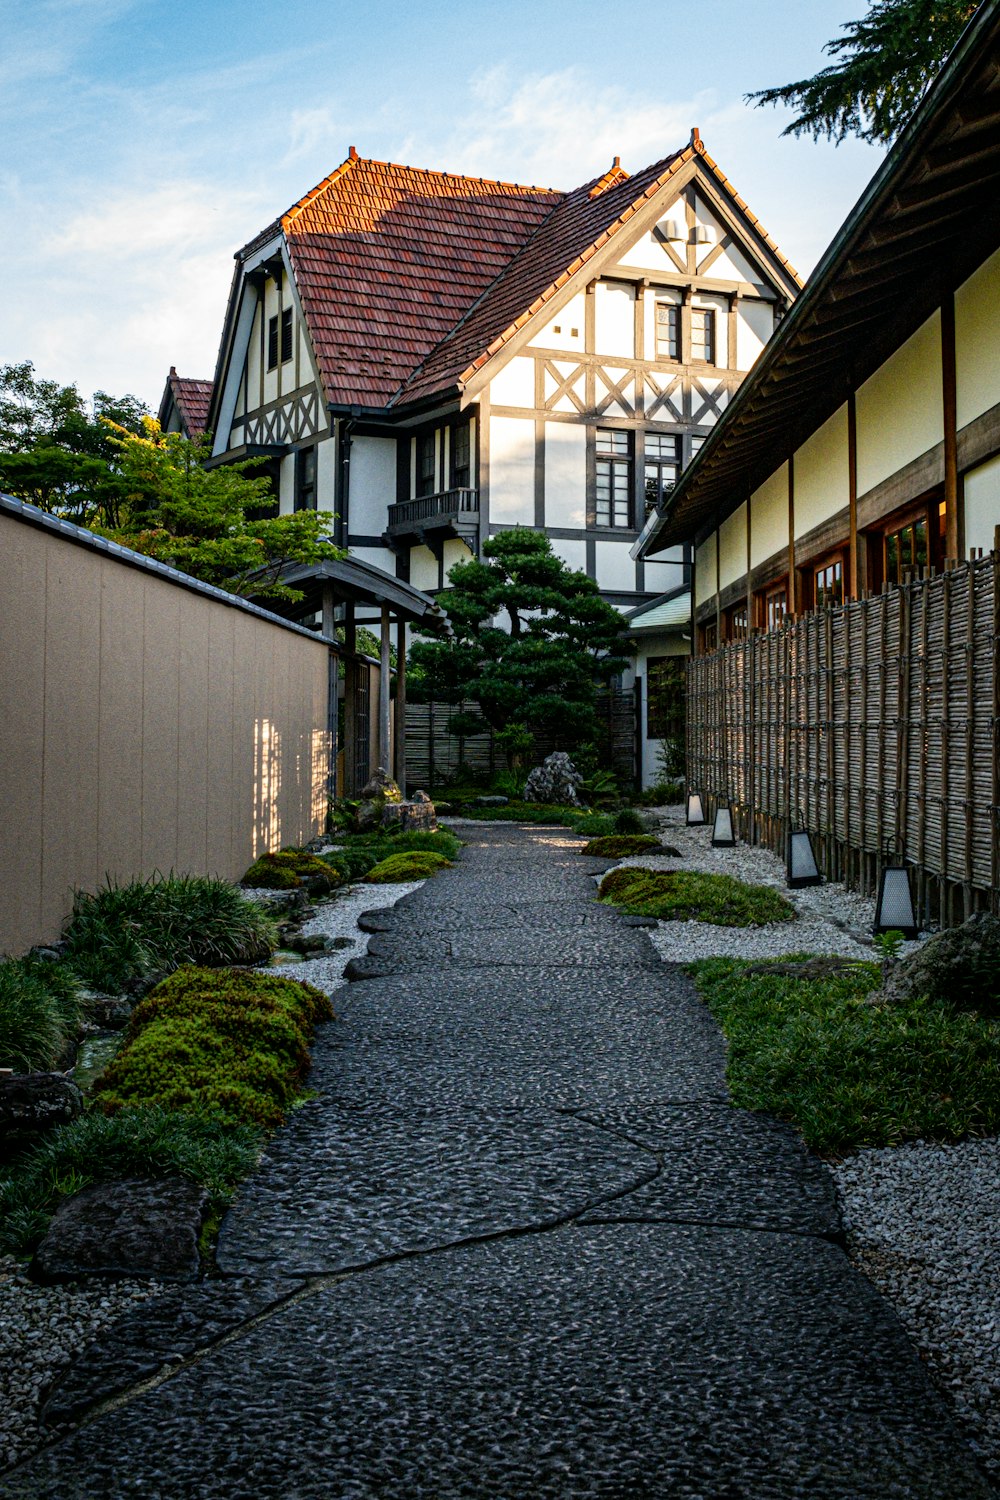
pixel 139 1142
pixel 418 865
pixel 127 932
pixel 291 868
pixel 849 1070
pixel 628 821
pixel 683 895
pixel 229 1044
pixel 380 845
pixel 619 845
pixel 39 1013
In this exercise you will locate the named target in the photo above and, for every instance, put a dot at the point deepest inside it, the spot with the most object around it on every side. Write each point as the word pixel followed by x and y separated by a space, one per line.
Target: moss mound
pixel 619 845
pixel 684 895
pixel 417 865
pixel 292 868
pixel 223 1043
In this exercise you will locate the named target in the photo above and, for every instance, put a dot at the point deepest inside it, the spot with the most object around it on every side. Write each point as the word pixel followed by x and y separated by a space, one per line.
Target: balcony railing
pixel 430 511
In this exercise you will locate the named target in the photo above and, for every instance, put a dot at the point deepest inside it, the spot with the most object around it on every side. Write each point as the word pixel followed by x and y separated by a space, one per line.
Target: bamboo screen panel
pixel 874 721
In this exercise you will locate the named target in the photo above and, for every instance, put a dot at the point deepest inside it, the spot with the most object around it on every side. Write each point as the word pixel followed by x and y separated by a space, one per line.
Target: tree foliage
pixel 532 640
pixel 884 65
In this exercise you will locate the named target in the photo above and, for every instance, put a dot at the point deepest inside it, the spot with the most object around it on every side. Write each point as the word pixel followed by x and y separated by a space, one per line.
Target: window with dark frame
pixel 613 498
pixel 272 342
pixel 461 458
pixel 661 467
pixel 668 330
pixel 305 479
pixel 710 635
pixel 426 464
pixel 736 623
pixel 703 335
pixel 828 583
pixel 665 694
pixel 774 608
pixel 286 334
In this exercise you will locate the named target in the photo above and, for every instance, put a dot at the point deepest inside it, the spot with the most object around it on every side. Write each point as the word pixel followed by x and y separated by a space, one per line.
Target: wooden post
pixel 384 711
pixel 950 413
pixel 852 489
pixel 399 757
pixel 351 787
pixel 793 583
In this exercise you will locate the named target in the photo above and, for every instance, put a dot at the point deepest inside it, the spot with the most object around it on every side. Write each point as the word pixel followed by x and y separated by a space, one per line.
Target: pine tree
pixel 886 62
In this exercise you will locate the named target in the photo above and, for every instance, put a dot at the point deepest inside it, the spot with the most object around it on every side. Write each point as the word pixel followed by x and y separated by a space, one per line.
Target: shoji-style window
pixel 668 330
pixel 703 335
pixel 613 498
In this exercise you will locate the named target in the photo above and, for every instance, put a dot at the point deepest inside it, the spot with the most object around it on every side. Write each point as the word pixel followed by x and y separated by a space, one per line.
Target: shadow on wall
pixel 272 772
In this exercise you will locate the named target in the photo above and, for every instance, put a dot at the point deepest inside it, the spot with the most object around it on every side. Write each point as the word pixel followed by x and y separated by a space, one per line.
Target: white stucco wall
pixel 514 385
pixel 822 474
pixel 769 517
pixel 705 584
pixel 614 319
pixel 754 326
pixel 614 567
pixel 733 547
pixel 512 471
pixel 666 572
pixel 565 474
pixel 373 484
pixel 573 553
pixel 982 504
pixel 326 474
pixel 977 338
pixel 423 568
pixel 899 408
pixel 564 329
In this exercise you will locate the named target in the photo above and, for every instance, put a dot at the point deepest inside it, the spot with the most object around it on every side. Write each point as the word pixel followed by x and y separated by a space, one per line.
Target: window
pixel 703 335
pixel 662 466
pixel 614 479
pixel 774 608
pixel 710 635
pixel 668 330
pixel 305 479
pixel 736 623
pixel 286 334
pixel 828 583
pixel 426 464
pixel 665 698
pixel 697 443
pixel 461 458
pixel 272 342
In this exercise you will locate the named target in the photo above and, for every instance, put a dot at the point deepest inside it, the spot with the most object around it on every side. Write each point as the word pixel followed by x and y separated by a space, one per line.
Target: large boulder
pixel 555 781
pixel 382 806
pixel 31 1103
pixel 132 1228
pixel 960 966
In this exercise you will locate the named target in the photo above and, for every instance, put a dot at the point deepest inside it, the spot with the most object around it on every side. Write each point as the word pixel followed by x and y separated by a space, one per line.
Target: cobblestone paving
pixel 519 1247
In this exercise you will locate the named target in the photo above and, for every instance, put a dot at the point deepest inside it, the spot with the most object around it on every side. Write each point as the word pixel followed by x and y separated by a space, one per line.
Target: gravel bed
pixel 41 1329
pixel 922 1225
pixel 337 917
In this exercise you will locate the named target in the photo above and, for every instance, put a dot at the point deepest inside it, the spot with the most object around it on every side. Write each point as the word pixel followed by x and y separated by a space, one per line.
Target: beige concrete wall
pixel 977 329
pixel 822 474
pixel 899 408
pixel 143 727
pixel 769 517
pixel 733 547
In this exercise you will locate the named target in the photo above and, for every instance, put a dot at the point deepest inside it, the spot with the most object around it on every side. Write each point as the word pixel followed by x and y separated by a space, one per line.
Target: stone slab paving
pixel 518 1245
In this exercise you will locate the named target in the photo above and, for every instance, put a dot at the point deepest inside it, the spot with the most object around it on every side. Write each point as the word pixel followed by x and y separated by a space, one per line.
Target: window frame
pixel 618 461
pixel 306 496
pixel 272 342
pixel 835 559
pixel 426 445
pixel 287 336
pixel 674 340
pixel 454 470
pixel 659 463
pixel 710 342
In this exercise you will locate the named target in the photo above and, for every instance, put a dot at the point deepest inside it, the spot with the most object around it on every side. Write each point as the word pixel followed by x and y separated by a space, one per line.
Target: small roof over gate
pixel 356 582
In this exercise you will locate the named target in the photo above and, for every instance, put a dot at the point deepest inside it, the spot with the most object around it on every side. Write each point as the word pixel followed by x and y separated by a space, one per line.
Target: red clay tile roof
pixel 387 259
pixel 192 399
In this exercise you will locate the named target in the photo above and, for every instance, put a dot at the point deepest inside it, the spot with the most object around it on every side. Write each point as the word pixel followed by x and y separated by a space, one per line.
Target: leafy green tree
pixel 885 63
pixel 532 640
pixel 207 522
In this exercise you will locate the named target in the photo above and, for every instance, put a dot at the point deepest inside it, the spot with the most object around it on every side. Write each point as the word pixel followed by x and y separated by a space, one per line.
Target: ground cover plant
pixel 39 1013
pixel 685 895
pixel 416 865
pixel 847 1067
pixel 290 869
pixel 127 932
pixel 620 845
pixel 223 1043
pixel 142 1142
pixel 581 820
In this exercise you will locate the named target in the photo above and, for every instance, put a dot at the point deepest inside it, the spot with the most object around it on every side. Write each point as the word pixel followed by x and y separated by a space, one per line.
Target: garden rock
pixel 960 966
pixel 33 1102
pixel 489 801
pixel 555 781
pixel 135 1227
pixel 108 1012
pixel 383 806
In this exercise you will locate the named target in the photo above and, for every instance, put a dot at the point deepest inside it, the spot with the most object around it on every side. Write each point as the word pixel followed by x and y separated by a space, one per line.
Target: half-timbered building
pixel 435 358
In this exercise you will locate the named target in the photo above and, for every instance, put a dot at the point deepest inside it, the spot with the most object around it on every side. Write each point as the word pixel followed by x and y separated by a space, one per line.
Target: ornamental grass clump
pixel 143 1141
pixel 847 1067
pixel 39 1014
pixel 133 931
pixel 405 867
pixel 689 895
pixel 291 868
pixel 228 1045
pixel 620 845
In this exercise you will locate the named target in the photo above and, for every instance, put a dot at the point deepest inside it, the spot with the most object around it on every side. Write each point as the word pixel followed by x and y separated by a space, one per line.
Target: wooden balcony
pixel 432 518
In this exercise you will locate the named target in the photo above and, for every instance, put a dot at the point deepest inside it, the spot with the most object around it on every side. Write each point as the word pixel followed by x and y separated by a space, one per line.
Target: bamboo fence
pixel 870 722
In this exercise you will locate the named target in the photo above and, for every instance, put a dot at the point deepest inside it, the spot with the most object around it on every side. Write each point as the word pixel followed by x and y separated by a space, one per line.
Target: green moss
pixel 291 868
pixel 230 1044
pixel 685 895
pixel 848 1070
pixel 619 845
pixel 419 865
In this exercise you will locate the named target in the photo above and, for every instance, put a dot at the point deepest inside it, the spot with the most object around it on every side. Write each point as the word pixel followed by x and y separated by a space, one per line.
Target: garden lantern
pixel 722 834
pixel 800 865
pixel 894 907
pixel 695 813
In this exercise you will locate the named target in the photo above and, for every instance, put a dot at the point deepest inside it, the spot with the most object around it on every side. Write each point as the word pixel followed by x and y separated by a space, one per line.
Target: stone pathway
pixel 519 1247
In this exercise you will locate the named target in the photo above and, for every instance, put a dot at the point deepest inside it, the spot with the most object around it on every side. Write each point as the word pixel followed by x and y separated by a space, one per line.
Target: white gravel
pixel 41 1329
pixel 337 917
pixel 922 1225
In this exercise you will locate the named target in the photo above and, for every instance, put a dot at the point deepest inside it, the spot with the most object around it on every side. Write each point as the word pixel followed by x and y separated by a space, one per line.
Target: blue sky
pixel 146 141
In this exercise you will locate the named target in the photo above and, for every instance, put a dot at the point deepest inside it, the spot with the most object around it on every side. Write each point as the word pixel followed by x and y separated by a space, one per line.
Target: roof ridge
pixel 321 187
pixel 741 203
pixel 615 173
